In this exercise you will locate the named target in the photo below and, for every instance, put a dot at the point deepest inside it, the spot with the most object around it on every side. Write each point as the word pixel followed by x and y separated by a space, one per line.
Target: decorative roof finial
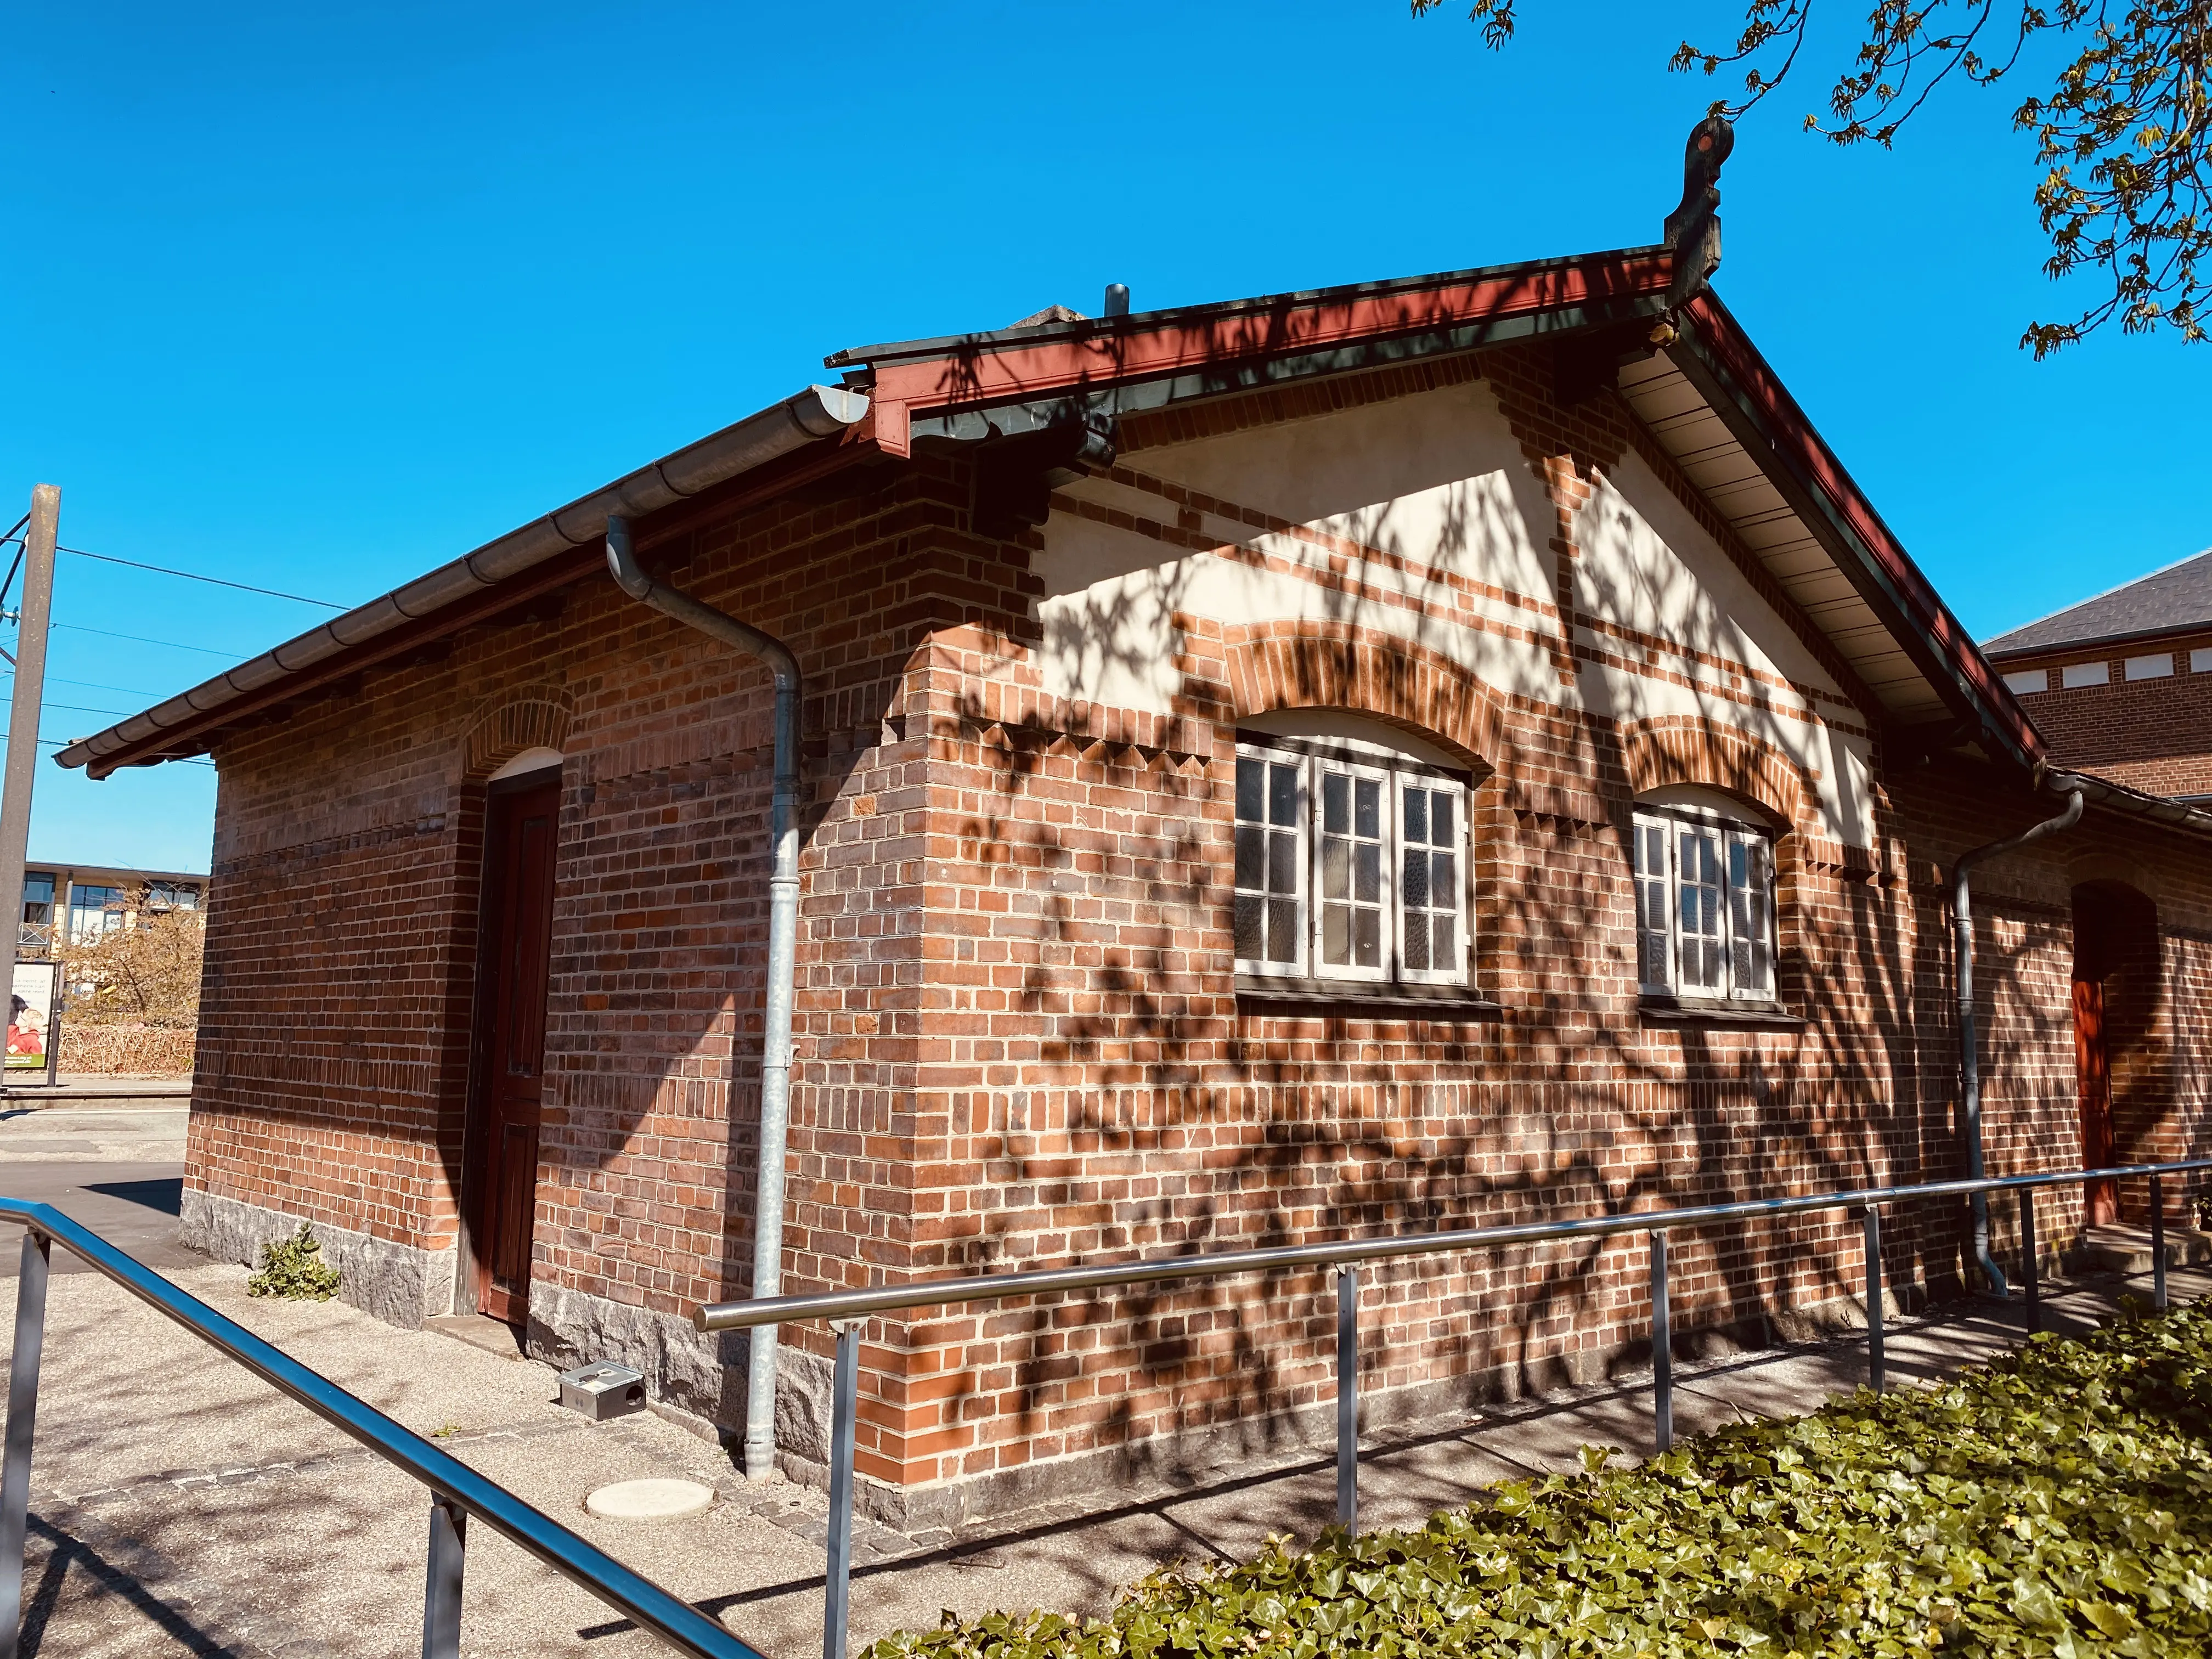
pixel 1693 230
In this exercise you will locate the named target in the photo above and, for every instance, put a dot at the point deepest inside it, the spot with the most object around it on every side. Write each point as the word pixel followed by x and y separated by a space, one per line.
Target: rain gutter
pixel 817 413
pixel 782 961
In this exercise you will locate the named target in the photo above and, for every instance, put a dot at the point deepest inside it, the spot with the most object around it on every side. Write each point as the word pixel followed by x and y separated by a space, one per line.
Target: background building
pixel 79 902
pixel 2121 684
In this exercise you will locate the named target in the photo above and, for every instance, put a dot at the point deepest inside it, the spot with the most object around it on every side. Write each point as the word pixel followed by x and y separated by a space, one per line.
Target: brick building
pixel 1434 752
pixel 2121 684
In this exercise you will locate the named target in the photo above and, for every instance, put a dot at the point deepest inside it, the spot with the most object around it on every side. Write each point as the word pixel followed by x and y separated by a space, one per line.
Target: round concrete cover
pixel 649 1500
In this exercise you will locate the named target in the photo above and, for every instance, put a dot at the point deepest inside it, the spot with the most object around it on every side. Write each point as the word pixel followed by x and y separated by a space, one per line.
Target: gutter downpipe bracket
pixel 782 963
pixel 1969 1064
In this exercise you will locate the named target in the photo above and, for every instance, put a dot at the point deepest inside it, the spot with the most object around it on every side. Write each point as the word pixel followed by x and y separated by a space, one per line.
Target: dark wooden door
pixel 2093 1066
pixel 520 830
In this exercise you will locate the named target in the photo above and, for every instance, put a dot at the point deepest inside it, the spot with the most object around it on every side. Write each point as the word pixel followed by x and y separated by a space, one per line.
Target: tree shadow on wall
pixel 1163 1120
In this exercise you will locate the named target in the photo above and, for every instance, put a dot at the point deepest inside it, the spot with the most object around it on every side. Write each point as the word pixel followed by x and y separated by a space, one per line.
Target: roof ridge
pixel 1996 640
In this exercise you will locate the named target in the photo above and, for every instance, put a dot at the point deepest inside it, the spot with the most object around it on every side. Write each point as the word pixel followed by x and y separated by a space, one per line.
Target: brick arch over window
pixel 1298 665
pixel 1683 749
pixel 537 719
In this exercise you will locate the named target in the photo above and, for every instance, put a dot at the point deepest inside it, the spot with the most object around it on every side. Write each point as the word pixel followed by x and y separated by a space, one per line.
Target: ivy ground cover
pixel 2058 1502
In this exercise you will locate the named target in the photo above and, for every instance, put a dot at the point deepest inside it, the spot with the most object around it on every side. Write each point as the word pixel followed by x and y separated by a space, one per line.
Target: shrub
pixel 148 969
pixel 126 1048
pixel 2058 1502
pixel 294 1269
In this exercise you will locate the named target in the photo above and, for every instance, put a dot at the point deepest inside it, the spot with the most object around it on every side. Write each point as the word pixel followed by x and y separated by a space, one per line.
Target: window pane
pixel 1270 861
pixel 1699 866
pixel 1647 838
pixel 1429 884
pixel 1335 869
pixel 1251 857
pixel 1335 804
pixel 1251 788
pixel 1750 912
pixel 1352 887
pixel 1367 933
pixel 1251 913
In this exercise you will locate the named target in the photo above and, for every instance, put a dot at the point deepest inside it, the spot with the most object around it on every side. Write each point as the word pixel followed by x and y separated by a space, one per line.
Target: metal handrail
pixel 844 1309
pixel 457 1490
pixel 996 1287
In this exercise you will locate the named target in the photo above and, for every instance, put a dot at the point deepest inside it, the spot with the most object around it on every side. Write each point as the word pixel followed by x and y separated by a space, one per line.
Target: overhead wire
pixel 194 576
pixel 136 639
pixel 95 685
pixel 13 539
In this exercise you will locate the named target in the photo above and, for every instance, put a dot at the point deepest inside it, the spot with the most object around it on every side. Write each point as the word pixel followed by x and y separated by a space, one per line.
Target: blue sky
pixel 319 297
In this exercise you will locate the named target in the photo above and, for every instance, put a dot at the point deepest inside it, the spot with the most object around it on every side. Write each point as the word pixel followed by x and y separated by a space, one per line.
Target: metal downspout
pixel 1969 1061
pixel 782 963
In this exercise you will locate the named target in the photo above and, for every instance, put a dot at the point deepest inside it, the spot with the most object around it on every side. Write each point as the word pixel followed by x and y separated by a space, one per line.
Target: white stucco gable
pixel 1424 518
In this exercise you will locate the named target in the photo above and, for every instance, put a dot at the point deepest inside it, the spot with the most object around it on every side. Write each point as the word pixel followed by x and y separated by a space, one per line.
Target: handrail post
pixel 1876 1312
pixel 1348 1397
pixel 22 1416
pixel 2158 1243
pixel 441 1589
pixel 2031 1268
pixel 845 1398
pixel 1662 1348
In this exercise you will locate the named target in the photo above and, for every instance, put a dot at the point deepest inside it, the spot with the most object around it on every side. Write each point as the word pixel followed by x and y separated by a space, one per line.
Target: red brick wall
pixel 1019 1039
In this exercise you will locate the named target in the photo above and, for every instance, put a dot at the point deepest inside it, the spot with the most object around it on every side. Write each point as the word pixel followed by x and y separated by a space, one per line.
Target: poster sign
pixel 31 1016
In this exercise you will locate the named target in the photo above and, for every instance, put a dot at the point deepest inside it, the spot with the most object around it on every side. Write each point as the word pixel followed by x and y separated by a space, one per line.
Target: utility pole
pixel 23 724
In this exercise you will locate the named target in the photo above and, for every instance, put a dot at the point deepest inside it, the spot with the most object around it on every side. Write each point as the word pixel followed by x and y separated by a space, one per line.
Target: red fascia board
pixel 1927 613
pixel 1016 371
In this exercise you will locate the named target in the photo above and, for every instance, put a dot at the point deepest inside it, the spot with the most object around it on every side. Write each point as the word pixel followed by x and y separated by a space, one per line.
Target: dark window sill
pixel 1757 1016
pixel 1359 996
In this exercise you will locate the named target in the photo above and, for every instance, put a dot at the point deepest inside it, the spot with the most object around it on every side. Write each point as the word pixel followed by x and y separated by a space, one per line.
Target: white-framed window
pixel 1351 865
pixel 1704 901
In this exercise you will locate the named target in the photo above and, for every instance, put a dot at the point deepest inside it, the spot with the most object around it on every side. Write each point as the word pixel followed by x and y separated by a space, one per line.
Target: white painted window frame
pixel 1303 927
pixel 1314 760
pixel 1731 831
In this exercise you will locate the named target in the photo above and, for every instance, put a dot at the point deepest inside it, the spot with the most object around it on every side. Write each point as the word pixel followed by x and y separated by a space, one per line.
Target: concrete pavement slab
pixel 1766 1386
pixel 80 1132
pixel 1549 1440
pixel 133 1205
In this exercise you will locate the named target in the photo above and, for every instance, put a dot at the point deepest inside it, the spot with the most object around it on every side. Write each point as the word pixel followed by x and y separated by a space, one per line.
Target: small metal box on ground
pixel 603 1390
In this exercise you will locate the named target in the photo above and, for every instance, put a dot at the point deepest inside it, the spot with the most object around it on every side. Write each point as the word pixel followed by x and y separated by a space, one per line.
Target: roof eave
pixel 1744 389
pixel 2135 802
pixel 548 551
pixel 1998 653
